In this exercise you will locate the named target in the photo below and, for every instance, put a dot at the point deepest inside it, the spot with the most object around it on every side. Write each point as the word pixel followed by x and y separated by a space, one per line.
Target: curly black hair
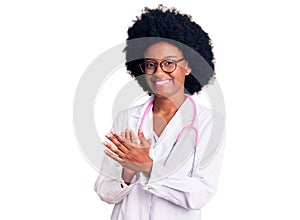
pixel 168 24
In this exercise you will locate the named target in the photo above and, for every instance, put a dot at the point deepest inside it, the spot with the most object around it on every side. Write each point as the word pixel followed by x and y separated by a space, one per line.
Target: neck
pixel 167 105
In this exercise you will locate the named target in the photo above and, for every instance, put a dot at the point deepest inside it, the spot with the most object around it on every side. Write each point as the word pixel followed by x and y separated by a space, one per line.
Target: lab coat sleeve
pixel 188 192
pixel 109 185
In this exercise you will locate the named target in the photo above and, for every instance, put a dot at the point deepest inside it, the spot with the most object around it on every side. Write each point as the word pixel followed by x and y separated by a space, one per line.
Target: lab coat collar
pixel 186 110
pixel 138 111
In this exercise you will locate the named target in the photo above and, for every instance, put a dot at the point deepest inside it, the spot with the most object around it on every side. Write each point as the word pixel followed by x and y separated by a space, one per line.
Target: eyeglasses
pixel 150 66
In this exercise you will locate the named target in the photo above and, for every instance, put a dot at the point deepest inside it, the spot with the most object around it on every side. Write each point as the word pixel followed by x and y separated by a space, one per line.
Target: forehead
pixel 162 50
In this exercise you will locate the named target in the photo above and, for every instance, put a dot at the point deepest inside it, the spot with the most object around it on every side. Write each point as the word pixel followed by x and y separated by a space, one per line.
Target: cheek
pixel 149 83
pixel 148 79
pixel 179 77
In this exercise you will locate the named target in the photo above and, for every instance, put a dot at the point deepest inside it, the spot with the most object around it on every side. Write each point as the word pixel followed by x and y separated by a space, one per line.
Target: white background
pixel 46 46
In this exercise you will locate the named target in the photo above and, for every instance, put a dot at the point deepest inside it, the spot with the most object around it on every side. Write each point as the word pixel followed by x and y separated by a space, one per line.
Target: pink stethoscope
pixel 191 126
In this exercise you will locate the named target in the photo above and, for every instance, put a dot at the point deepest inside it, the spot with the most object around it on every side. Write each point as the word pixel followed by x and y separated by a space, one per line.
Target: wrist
pixel 147 169
pixel 127 175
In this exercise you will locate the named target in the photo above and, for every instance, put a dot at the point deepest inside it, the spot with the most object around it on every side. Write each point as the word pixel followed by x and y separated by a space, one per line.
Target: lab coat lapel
pixel 135 118
pixel 183 117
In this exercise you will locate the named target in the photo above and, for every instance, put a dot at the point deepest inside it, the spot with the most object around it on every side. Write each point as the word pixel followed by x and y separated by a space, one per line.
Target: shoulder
pixel 210 116
pixel 205 112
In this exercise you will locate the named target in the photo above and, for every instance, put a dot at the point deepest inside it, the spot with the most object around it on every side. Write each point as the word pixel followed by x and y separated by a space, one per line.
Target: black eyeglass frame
pixel 160 64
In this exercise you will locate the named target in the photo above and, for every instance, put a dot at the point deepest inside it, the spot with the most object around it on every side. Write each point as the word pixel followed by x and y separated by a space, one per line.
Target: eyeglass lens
pixel 150 66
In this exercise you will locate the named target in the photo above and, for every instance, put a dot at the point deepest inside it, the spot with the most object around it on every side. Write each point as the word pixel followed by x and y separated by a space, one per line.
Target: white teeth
pixel 161 82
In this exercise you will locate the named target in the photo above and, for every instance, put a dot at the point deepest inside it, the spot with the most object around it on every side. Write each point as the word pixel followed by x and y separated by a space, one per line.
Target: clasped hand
pixel 134 157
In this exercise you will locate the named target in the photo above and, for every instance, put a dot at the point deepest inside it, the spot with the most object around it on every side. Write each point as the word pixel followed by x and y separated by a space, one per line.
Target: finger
pixel 123 134
pixel 127 134
pixel 116 141
pixel 114 149
pixel 126 142
pixel 112 156
pixel 142 138
pixel 132 137
pixel 149 141
pixel 140 132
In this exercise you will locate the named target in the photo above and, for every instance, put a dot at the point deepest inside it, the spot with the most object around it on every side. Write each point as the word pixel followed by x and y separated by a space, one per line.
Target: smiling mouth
pixel 161 83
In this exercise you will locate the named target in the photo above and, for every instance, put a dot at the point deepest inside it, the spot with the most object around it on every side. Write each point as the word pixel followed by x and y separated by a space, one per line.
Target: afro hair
pixel 168 24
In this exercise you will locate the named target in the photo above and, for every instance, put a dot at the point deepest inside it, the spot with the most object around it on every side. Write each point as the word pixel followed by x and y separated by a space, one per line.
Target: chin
pixel 163 94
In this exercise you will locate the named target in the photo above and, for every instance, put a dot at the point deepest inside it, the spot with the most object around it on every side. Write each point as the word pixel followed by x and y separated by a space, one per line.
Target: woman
pixel 153 165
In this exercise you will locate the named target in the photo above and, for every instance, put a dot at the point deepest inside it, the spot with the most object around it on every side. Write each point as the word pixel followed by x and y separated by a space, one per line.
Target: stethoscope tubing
pixel 191 126
pixel 181 132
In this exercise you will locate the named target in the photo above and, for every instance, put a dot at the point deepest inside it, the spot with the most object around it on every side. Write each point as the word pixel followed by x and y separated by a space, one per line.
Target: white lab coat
pixel 165 195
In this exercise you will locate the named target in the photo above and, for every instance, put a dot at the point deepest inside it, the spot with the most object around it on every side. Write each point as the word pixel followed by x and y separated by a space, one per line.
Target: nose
pixel 159 70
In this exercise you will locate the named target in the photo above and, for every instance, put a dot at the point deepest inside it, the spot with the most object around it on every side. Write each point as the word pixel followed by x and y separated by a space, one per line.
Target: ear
pixel 188 70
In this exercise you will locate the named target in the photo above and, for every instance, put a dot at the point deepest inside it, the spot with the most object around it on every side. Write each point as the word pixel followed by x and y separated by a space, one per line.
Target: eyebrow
pixel 170 57
pixel 167 57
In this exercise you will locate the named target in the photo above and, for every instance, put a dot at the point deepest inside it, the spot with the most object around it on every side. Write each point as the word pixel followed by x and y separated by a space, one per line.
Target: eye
pixel 167 63
pixel 149 64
